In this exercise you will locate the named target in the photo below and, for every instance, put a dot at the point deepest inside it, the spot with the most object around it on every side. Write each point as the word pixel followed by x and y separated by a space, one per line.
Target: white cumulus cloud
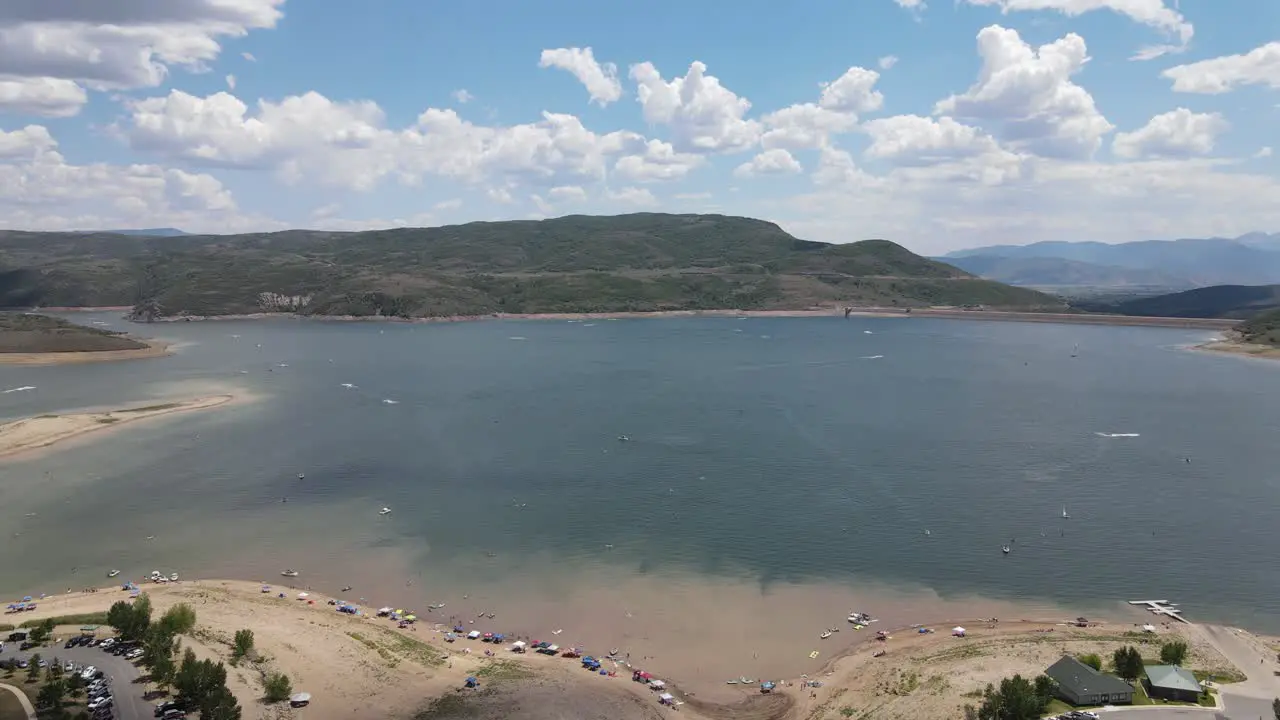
pixel 1260 66
pixel 1176 134
pixel 600 79
pixel 1153 13
pixel 769 162
pixel 51 51
pixel 1029 94
pixel 702 115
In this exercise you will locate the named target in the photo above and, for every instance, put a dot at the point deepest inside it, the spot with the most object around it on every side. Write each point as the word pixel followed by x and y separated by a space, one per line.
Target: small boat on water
pixel 1004 549
pixel 289 573
pixel 113 573
pixel 173 577
pixel 385 511
pixel 825 634
pixel 302 476
pixel 1064 513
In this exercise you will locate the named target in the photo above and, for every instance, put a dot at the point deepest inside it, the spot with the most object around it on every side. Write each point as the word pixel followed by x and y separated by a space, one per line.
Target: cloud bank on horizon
pixel 938 125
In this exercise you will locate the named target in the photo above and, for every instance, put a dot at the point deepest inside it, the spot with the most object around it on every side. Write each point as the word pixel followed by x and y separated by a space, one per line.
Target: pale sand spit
pixel 22 436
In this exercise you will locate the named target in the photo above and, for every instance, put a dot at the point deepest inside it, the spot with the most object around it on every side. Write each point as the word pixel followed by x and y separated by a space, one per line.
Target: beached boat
pixel 289 573
pixel 113 573
pixel 385 511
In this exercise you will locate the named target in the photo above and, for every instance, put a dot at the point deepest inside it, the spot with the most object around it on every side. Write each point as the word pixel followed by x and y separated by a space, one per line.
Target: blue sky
pixel 939 125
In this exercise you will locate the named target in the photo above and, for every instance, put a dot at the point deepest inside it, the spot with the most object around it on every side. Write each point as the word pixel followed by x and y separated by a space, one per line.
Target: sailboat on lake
pixel 1064 513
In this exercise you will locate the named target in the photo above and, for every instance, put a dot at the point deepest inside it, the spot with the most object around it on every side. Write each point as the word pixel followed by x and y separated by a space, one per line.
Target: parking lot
pixel 125 686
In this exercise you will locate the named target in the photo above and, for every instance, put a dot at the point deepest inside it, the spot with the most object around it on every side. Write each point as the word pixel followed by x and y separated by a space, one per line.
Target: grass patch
pixel 385 654
pixel 152 408
pixel 504 670
pixel 1222 677
pixel 4 627
pixel 415 650
pixel 451 706
pixel 1056 707
pixel 99 618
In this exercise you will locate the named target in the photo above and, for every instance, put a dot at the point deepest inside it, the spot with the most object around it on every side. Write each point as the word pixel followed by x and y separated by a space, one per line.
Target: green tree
pixel 198 680
pixel 131 620
pixel 50 695
pixel 1092 660
pixel 163 668
pixel 243 644
pixel 1173 652
pixel 1016 699
pixel 40 634
pixel 33 670
pixel 1275 707
pixel 75 685
pixel 277 687
pixel 1128 663
pixel 179 619
pixel 220 704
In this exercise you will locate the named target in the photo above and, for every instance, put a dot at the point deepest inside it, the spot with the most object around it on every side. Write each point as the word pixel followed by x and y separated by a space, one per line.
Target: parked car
pixel 103 701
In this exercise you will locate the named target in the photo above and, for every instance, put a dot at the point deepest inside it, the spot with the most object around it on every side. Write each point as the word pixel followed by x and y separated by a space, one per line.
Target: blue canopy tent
pixel 472 681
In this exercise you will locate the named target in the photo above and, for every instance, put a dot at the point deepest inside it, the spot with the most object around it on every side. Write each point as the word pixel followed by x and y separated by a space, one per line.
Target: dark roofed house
pixel 1080 684
pixel 1170 682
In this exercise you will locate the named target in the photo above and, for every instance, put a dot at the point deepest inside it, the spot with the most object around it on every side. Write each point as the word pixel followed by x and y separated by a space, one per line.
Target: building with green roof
pixel 1170 682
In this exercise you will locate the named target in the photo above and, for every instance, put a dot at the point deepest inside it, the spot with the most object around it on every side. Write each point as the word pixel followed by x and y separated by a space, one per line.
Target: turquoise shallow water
pixel 767 449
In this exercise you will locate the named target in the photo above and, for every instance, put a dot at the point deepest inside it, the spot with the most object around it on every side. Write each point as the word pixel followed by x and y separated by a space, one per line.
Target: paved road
pixel 129 704
pixel 1148 712
pixel 22 700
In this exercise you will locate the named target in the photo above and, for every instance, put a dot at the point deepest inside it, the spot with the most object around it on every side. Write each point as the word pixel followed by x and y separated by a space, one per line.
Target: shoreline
pixel 833 311
pixel 406 668
pixel 1239 349
pixel 154 349
pixel 26 435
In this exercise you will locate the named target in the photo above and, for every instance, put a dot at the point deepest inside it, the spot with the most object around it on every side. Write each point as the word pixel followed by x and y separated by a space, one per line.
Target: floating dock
pixel 1162 607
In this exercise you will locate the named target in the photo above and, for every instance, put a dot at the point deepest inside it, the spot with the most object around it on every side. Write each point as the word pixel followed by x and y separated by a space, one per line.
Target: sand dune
pixel 21 436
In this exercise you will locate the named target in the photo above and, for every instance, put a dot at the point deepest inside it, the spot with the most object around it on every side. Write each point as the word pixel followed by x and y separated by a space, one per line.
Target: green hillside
pixel 639 262
pixel 1262 329
pixel 25 333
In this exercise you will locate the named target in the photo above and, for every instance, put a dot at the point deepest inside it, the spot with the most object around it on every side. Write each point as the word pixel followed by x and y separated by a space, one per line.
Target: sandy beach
pixel 1243 349
pixel 349 663
pixel 31 434
pixel 153 349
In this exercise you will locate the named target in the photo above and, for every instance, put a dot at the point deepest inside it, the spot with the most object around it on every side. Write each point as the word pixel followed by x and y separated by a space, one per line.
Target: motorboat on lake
pixel 825 634
pixel 290 573
pixel 1004 549
pixel 113 573
pixel 385 511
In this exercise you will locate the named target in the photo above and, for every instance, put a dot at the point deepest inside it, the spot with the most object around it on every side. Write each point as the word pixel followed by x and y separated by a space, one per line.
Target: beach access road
pixel 1253 697
pixel 126 691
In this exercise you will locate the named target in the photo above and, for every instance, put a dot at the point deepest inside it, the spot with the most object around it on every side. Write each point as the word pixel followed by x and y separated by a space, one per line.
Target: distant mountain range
pixel 1252 259
pixel 147 232
pixel 1219 301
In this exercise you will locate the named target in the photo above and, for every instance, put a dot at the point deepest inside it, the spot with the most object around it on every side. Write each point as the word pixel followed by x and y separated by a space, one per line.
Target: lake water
pixel 775 468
